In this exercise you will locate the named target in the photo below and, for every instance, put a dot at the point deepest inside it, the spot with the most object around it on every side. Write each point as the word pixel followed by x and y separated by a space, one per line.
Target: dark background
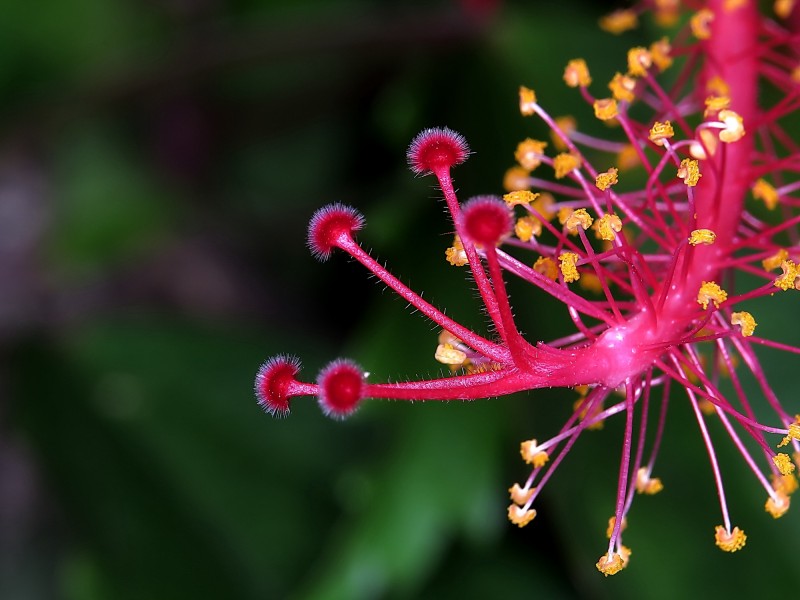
pixel 159 161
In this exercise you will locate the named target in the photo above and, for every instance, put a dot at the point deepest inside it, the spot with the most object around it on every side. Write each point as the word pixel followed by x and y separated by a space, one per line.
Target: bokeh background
pixel 159 160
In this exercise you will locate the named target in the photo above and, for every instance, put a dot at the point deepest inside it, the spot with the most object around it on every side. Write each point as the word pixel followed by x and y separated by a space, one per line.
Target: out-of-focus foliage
pixel 158 163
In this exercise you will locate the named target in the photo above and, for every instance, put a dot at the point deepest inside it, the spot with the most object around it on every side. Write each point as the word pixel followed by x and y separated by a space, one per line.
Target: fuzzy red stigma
pixel 436 148
pixel 341 388
pixel 273 383
pixel 486 220
pixel 329 225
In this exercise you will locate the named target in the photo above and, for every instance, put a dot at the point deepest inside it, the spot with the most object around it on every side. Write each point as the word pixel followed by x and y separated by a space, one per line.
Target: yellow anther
pixel 718 86
pixel 773 262
pixel 627 158
pixel 784 463
pixel 608 226
pixel 794 432
pixel 613 521
pixel 660 52
pixel 520 496
pixel 516 178
pixel 527 101
pixel 702 236
pixel 545 205
pixel 705 146
pixel 777 505
pixel 445 337
pixel 731 5
pixel 689 171
pixel 730 541
pixel 639 60
pixel 646 484
pixel 576 73
pixel 667 12
pixel 786 279
pixel 448 355
pixel 619 21
pixel 660 132
pixel 527 227
pixel 783 8
pixel 795 74
pixel 623 87
pixel 746 321
pixel 711 292
pixel 605 180
pixel 520 517
pixel 605 109
pixel 523 197
pixel 591 283
pixel 734 126
pixel 714 104
pixel 565 163
pixel 567 124
pixel 547 267
pixel 785 484
pixel 579 218
pixel 455 254
pixel 701 23
pixel 529 153
pixel 610 564
pixel 762 190
pixel 532 455
pixel 569 267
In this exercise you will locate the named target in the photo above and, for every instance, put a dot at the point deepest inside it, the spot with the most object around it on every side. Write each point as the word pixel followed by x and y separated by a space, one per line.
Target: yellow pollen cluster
pixel 527 227
pixel 605 109
pixel 591 283
pixel 527 101
pixel 718 86
pixel 746 321
pixel 529 153
pixel 516 178
pixel 610 565
pixel 794 434
pixel 705 146
pixel 711 292
pixel 608 226
pixel 619 21
pixel 787 279
pixel 660 52
pixel 660 132
pixel 546 266
pixel 731 5
pixel 784 463
pixel 777 505
pixel 714 104
pixel 627 158
pixel 576 73
pixel 783 8
pixel 565 163
pixel 639 60
pixel 448 355
pixel 605 180
pixel 667 12
pixel 734 126
pixel 578 218
pixel 701 23
pixel 646 484
pixel 520 517
pixel 762 190
pixel 623 87
pixel 689 171
pixel 569 268
pixel 520 197
pixel 773 262
pixel 532 455
pixel 520 496
pixel 702 236
pixel 567 124
pixel 455 254
pixel 730 541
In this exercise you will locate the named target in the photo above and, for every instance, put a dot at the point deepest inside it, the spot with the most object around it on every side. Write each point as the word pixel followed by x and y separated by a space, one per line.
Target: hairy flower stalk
pixel 650 277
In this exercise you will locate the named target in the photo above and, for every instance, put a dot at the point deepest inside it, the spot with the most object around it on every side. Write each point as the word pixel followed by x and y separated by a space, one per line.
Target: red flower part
pixel 341 388
pixel 330 226
pixel 435 149
pixel 486 219
pixel 274 384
